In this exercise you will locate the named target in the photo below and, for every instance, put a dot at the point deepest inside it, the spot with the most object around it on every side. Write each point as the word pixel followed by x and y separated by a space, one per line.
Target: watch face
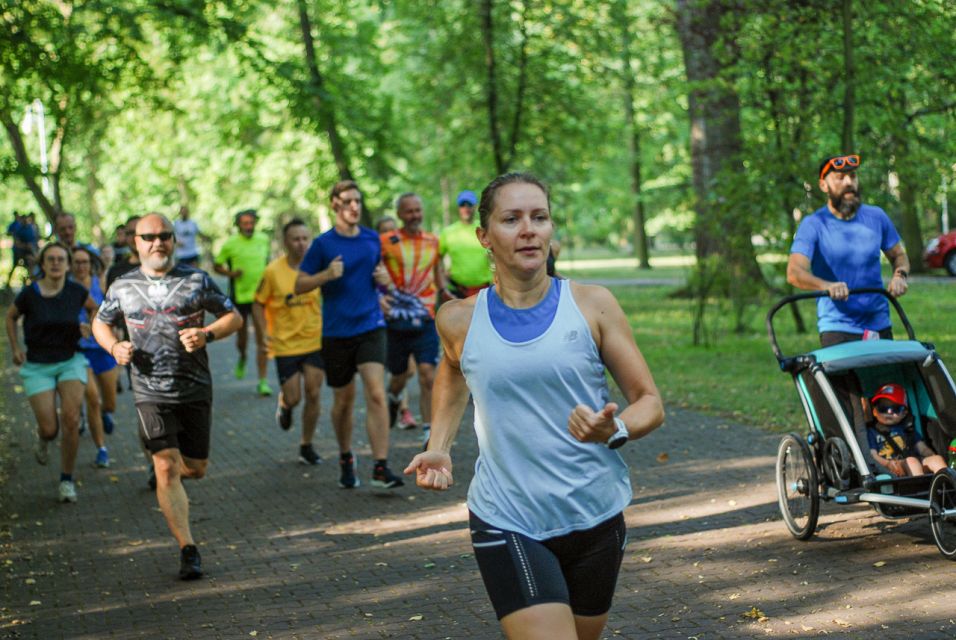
pixel 616 442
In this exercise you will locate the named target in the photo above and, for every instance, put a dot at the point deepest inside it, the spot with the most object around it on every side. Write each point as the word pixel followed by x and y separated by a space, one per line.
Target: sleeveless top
pixel 532 476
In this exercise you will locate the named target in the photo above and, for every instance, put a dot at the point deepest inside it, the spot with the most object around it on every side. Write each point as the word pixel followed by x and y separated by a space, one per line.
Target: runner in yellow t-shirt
pixel 293 334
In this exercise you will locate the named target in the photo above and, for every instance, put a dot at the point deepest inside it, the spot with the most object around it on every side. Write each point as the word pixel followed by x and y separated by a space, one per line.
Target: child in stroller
pixel 894 443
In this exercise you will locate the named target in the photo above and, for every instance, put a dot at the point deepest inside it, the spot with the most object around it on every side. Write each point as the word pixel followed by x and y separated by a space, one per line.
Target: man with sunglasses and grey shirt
pixel 164 307
pixel 837 248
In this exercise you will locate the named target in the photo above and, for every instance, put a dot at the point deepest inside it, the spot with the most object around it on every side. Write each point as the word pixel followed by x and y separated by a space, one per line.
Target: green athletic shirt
pixel 251 255
pixel 469 260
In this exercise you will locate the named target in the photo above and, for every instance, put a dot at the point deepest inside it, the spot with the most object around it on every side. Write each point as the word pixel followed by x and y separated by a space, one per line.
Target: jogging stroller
pixel 830 463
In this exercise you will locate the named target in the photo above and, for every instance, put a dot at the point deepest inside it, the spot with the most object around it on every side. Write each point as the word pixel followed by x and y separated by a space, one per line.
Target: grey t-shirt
pixel 155 310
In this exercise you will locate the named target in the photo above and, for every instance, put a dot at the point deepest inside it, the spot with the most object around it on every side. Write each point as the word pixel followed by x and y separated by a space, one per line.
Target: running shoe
pixel 308 455
pixel 406 420
pixel 41 450
pixel 283 416
pixel 383 478
pixel 240 369
pixel 190 564
pixel 102 459
pixel 394 402
pixel 108 423
pixel 67 491
pixel 347 477
pixel 263 389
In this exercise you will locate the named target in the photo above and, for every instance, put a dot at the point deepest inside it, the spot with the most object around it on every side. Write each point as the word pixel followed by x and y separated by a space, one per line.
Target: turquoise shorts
pixel 39 377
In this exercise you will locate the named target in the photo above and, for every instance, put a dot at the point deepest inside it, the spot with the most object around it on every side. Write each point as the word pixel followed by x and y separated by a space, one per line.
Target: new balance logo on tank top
pixel 155 309
pixel 531 475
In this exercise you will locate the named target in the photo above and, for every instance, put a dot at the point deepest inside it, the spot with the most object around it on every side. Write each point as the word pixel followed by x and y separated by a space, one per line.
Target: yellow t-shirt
pixel 294 322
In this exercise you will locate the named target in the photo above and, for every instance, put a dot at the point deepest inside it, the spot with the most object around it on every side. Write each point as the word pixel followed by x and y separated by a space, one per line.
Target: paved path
pixel 290 555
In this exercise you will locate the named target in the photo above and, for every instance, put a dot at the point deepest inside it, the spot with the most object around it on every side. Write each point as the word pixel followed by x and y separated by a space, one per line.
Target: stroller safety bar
pixel 823 294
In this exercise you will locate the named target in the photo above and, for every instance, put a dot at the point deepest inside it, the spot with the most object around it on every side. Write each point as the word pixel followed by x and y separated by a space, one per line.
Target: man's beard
pixel 847 202
pixel 158 262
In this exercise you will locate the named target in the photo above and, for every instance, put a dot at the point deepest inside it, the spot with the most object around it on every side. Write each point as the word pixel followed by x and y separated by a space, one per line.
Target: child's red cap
pixel 892 392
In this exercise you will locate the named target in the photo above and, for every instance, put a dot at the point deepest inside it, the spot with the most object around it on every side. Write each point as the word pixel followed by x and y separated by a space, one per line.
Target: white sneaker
pixel 40 450
pixel 67 491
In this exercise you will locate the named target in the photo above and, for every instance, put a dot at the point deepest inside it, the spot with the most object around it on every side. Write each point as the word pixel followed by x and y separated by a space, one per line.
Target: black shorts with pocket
pixel 184 426
pixel 578 569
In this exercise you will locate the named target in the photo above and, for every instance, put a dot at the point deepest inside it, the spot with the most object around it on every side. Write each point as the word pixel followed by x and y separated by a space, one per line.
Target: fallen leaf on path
pixel 381 564
pixel 754 614
pixel 879 564
pixel 646 559
pixel 35 603
pixel 663 457
pixel 429 565
pixel 253 633
pixel 842 623
pixel 417 618
pixel 114 479
pixel 30 581
pixel 734 596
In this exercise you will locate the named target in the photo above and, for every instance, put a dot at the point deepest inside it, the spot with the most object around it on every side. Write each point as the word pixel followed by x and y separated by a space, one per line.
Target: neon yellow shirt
pixel 293 322
pixel 469 260
pixel 251 256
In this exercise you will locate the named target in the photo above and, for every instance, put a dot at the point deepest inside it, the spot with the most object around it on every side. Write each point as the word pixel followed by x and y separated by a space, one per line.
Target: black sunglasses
pixel 164 236
pixel 894 409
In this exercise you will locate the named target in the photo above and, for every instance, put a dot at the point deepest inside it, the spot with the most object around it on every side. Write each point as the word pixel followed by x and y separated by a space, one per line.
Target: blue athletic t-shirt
pixel 350 303
pixel 848 251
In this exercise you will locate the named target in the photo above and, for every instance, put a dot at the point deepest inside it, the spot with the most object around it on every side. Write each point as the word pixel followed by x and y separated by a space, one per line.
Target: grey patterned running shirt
pixel 155 310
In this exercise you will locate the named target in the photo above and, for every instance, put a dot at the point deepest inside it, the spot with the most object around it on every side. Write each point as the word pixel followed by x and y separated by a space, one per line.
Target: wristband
pixel 113 346
pixel 901 273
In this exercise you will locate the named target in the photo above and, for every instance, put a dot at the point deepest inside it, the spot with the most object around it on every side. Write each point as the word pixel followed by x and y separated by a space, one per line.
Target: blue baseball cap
pixel 467 197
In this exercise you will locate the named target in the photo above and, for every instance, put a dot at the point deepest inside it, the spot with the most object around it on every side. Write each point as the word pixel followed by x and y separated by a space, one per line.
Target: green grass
pixel 736 375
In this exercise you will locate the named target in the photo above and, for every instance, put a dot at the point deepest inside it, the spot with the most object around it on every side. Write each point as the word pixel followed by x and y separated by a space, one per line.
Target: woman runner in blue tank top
pixel 546 503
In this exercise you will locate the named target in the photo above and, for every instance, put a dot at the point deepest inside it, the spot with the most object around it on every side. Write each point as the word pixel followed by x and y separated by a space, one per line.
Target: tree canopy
pixel 652 121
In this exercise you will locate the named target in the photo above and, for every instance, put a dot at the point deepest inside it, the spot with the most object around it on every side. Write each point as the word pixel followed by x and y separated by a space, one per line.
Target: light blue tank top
pixel 531 475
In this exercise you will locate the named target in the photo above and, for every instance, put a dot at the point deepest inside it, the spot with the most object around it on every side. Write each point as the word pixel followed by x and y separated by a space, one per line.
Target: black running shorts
pixel 343 355
pixel 578 569
pixel 183 426
pixel 288 366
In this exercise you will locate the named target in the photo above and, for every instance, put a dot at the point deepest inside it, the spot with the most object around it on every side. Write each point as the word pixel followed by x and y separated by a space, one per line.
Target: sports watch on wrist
pixel 210 336
pixel 619 437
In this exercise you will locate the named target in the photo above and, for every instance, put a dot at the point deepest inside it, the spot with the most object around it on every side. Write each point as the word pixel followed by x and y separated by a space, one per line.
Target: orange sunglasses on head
pixel 839 163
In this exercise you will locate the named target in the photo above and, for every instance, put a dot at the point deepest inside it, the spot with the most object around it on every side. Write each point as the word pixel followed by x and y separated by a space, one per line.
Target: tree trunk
pixel 320 96
pixel 909 216
pixel 848 99
pixel 56 155
pixel 726 260
pixel 715 135
pixel 25 168
pixel 634 142
pixel 92 162
pixel 491 83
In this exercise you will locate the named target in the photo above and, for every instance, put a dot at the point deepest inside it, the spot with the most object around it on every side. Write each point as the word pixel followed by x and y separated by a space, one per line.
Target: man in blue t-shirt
pixel 346 262
pixel 837 248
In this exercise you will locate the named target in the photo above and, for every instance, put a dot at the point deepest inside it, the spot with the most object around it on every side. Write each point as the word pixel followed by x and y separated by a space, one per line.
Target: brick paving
pixel 290 555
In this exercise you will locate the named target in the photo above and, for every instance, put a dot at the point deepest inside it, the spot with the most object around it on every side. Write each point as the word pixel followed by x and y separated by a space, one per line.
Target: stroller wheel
pixel 798 488
pixel 942 511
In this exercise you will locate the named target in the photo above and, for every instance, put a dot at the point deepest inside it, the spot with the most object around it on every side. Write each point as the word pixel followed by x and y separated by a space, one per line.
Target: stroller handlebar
pixel 783 302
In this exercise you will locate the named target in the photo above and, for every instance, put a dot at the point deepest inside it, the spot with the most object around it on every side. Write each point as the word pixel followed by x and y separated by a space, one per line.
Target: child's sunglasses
pixel 894 409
